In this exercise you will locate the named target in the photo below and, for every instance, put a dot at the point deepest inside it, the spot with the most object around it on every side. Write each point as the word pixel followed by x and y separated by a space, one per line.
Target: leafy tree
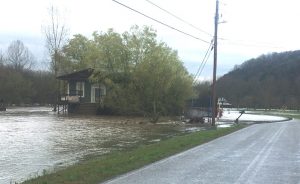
pixel 139 41
pixel 162 82
pixel 76 54
pixel 142 75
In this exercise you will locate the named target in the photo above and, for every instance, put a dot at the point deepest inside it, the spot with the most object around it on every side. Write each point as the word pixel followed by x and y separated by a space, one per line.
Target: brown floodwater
pixel 35 139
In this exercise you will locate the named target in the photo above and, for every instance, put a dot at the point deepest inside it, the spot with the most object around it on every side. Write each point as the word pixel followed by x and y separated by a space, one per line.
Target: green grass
pixel 105 167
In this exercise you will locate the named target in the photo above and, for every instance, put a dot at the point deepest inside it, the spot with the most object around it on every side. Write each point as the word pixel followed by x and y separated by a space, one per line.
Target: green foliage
pixel 142 75
pixel 76 53
pixel 269 81
pixel 203 95
pixel 162 82
pixel 26 87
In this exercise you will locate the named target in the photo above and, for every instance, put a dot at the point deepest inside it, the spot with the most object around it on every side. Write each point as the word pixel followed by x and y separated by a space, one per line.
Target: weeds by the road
pixel 111 165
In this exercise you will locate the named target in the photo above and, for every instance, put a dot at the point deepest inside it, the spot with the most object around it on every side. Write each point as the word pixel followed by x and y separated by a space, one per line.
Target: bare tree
pixel 56 34
pixel 19 56
pixel 2 59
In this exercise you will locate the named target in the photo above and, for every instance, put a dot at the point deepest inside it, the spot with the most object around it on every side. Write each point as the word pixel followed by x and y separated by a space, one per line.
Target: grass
pixel 108 166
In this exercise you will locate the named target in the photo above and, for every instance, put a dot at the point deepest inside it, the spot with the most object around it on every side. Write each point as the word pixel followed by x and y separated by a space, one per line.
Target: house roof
pixel 78 75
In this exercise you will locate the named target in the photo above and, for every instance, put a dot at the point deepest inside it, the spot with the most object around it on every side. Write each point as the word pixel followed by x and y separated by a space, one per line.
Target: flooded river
pixel 36 139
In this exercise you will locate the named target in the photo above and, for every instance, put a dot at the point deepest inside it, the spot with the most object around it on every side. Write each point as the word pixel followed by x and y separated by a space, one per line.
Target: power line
pixel 202 67
pixel 182 20
pixel 204 61
pixel 171 27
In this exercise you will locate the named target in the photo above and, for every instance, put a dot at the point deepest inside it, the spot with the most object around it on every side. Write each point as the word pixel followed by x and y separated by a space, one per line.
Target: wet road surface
pixel 261 153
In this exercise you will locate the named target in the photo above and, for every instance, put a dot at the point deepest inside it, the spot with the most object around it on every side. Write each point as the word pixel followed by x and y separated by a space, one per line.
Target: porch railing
pixel 73 97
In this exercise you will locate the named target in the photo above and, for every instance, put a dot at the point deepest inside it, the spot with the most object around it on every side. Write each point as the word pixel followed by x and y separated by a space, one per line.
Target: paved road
pixel 262 153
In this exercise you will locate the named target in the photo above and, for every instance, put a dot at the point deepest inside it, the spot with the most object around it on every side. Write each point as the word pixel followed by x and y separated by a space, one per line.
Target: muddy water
pixel 36 139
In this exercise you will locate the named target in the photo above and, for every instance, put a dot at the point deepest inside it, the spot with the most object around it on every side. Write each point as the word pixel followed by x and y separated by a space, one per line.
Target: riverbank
pixel 108 166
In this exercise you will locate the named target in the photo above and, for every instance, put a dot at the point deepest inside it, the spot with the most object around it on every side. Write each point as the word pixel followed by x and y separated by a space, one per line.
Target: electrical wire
pixel 162 23
pixel 197 73
pixel 182 20
pixel 202 68
pixel 204 61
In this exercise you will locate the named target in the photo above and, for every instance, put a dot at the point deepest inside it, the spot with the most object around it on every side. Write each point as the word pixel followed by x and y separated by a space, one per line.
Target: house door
pixel 95 94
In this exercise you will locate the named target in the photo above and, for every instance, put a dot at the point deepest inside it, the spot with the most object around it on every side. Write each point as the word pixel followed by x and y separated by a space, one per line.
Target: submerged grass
pixel 108 166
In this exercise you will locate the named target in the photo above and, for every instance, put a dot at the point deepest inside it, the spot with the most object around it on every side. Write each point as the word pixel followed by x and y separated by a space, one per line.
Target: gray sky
pixel 252 28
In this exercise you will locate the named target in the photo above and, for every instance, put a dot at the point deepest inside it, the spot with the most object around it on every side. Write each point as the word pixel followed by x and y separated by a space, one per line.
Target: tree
pixel 139 41
pixel 203 94
pixel 75 54
pixel 111 58
pixel 163 84
pixel 142 76
pixel 56 34
pixel 2 59
pixel 19 56
pixel 19 84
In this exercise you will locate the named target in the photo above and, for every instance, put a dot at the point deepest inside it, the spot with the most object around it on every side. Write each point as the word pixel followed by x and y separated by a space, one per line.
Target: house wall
pixel 87 94
pixel 87 90
pixel 72 88
pixel 88 87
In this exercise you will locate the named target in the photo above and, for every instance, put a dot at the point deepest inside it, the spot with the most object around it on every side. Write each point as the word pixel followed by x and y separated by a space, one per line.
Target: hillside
pixel 269 81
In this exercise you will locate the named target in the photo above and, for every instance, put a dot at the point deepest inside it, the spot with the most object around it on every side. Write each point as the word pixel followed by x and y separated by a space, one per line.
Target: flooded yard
pixel 36 139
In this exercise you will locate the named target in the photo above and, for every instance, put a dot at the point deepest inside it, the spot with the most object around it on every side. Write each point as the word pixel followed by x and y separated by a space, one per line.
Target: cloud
pixel 253 27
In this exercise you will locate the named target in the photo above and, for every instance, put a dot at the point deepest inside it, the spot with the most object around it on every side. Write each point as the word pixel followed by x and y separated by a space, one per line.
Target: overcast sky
pixel 252 28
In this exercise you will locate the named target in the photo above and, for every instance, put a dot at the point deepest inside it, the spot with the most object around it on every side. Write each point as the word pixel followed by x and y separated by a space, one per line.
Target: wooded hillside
pixel 269 81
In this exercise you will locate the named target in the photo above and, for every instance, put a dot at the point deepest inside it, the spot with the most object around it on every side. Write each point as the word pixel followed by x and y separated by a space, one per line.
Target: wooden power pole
pixel 214 95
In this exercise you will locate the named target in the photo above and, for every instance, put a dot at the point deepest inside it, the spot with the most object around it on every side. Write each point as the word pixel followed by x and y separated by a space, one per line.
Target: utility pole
pixel 214 95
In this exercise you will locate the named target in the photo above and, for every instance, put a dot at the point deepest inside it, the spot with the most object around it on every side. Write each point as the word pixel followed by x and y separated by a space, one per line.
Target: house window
pixel 80 88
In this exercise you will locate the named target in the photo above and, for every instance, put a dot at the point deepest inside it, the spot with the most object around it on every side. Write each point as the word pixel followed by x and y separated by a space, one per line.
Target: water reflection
pixel 34 139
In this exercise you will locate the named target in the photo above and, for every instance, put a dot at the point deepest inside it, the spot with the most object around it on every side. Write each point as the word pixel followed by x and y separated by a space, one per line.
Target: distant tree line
pixel 202 95
pixel 269 81
pixel 19 83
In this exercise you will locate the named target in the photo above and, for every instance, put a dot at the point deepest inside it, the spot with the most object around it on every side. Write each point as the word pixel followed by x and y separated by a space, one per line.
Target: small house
pixel 80 94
